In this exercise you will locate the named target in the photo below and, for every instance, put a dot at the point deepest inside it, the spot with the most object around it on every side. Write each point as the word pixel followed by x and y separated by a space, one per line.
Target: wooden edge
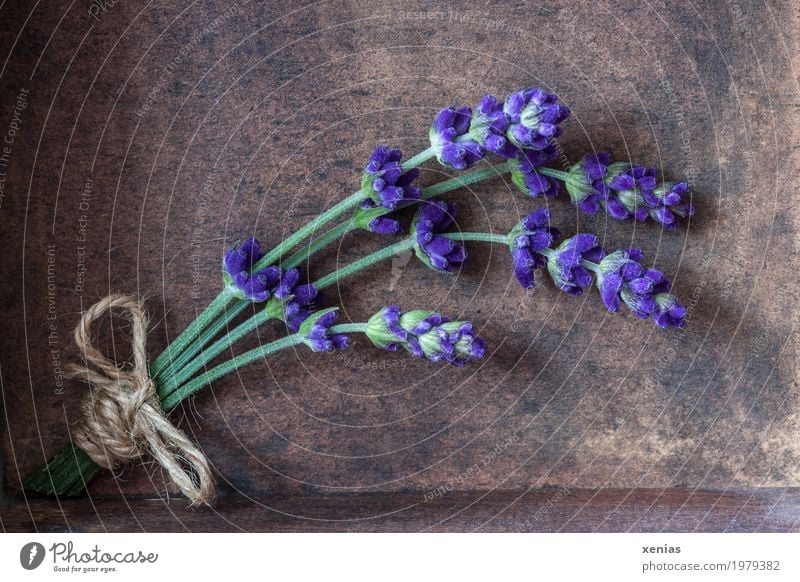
pixel 540 510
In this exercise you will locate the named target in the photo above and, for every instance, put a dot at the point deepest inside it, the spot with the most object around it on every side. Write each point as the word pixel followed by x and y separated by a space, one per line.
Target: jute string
pixel 121 415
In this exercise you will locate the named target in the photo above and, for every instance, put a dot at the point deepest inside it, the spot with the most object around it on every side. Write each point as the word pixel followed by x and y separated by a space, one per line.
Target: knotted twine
pixel 121 416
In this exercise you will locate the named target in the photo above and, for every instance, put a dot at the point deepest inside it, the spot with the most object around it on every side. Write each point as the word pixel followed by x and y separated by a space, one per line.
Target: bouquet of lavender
pixel 124 413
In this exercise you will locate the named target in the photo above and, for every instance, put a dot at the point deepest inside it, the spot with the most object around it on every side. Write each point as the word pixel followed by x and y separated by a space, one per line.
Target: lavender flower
pixel 433 249
pixel 291 300
pixel 236 271
pixel 629 184
pixel 387 188
pixel 526 241
pixel 489 125
pixel 667 203
pixel 669 311
pixel 450 136
pixel 534 116
pixel 316 331
pixel 567 263
pixel 528 180
pixel 586 182
pixel 425 334
pixel 626 191
pixel 622 279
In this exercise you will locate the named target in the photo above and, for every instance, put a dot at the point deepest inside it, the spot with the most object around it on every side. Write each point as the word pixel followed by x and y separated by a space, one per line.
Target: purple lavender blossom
pixel 454 144
pixel 425 334
pixel 526 241
pixel 292 300
pixel 626 191
pixel 669 311
pixel 586 182
pixel 433 249
pixel 387 188
pixel 622 279
pixel 236 270
pixel 667 203
pixel 629 184
pixel 489 126
pixel 567 263
pixel 316 331
pixel 528 180
pixel 534 117
pixel 386 183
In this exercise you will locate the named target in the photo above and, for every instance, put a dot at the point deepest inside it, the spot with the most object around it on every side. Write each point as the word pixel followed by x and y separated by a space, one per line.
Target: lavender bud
pixel 386 187
pixel 622 279
pixel 528 180
pixel 425 334
pixel 629 185
pixel 526 241
pixel 489 126
pixel 456 147
pixel 586 182
pixel 291 302
pixel 436 251
pixel 668 204
pixel 236 267
pixel 566 263
pixel 316 331
pixel 534 117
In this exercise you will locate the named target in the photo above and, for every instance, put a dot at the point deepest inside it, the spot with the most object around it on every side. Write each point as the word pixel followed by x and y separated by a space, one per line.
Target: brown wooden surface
pixel 542 510
pixel 190 125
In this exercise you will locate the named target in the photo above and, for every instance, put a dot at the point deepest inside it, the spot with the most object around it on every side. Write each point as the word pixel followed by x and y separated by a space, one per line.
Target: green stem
pixel 419 159
pixel 553 173
pixel 192 331
pixel 593 267
pixel 308 230
pixel 192 349
pixel 479 237
pixel 319 243
pixel 467 179
pixel 71 469
pixel 349 328
pixel 549 253
pixel 363 263
pixel 332 213
pixel 227 367
pixel 223 343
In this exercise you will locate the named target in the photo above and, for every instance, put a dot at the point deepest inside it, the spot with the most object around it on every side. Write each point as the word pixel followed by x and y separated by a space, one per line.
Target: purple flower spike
pixel 528 180
pixel 291 300
pixel 622 279
pixel 567 263
pixel 669 311
pixel 452 140
pixel 237 265
pixel 630 185
pixel 586 182
pixel 385 225
pixel 526 241
pixel 668 203
pixel 316 332
pixel 386 187
pixel 433 249
pixel 489 126
pixel 425 334
pixel 534 117
pixel 626 191
pixel 386 183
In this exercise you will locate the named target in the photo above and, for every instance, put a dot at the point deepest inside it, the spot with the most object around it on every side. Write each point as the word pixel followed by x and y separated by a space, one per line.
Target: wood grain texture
pixel 154 135
pixel 542 510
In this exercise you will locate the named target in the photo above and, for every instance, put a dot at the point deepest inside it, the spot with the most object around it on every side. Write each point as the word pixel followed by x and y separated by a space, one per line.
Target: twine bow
pixel 122 417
